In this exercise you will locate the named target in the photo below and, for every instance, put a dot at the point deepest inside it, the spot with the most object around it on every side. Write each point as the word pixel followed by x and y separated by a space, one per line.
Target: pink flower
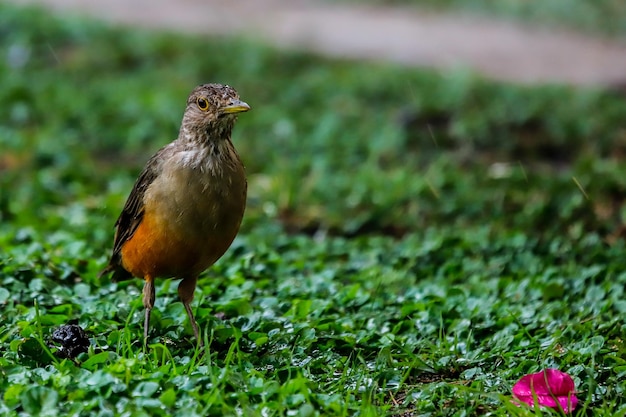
pixel 551 387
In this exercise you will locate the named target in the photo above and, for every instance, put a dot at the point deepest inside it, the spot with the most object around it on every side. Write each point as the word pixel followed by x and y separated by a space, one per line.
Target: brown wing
pixel 131 216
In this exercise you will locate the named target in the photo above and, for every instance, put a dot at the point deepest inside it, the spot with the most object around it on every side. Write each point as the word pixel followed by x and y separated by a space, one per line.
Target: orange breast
pixel 191 217
pixel 153 250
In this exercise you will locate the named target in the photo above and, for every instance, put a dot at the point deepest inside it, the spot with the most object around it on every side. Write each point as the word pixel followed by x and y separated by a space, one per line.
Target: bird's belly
pixel 189 222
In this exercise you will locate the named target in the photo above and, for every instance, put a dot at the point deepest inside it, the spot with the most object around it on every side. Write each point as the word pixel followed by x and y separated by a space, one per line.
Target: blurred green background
pixel 602 16
pixel 404 148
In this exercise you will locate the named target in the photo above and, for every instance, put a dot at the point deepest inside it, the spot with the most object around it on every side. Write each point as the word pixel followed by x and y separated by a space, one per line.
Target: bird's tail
pixel 119 273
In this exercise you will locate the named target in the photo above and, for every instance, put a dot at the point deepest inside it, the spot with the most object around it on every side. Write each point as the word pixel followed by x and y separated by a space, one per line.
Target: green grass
pixel 414 243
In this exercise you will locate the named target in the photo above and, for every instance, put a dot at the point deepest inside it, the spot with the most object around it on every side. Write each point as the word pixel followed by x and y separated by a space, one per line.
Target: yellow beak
pixel 236 106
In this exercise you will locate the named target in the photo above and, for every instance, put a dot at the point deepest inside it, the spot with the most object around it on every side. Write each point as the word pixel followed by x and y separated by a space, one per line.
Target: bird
pixel 186 207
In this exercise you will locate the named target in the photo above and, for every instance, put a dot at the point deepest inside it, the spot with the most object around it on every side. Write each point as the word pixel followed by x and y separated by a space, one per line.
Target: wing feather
pixel 132 215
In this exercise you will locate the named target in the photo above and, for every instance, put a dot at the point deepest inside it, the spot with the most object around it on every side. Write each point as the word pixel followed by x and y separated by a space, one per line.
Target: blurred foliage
pixel 414 241
pixel 396 144
pixel 599 16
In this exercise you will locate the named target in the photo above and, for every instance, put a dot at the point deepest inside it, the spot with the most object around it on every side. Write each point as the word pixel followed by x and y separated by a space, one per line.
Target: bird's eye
pixel 203 104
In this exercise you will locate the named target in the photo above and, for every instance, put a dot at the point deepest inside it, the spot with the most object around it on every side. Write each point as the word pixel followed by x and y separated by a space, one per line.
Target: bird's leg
pixel 185 291
pixel 148 303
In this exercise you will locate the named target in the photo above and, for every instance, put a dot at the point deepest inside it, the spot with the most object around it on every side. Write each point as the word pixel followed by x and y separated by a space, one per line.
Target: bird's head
pixel 212 109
